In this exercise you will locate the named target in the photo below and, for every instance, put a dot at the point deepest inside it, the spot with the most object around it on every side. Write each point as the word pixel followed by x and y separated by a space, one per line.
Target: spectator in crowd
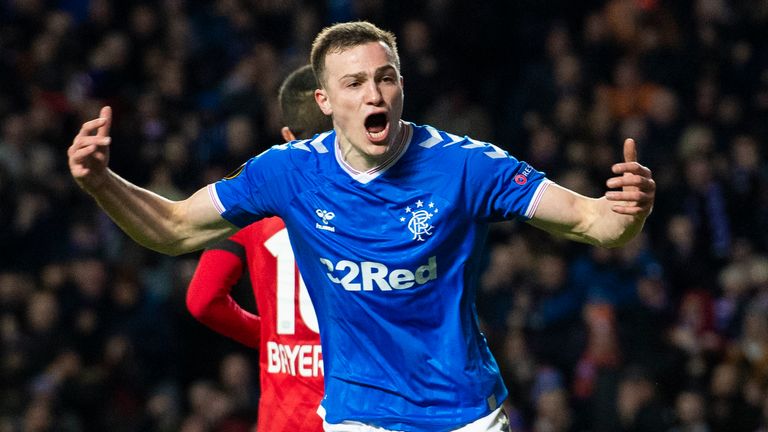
pixel 690 412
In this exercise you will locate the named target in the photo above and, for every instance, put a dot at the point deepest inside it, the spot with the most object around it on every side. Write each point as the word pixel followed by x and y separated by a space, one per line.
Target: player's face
pixel 364 93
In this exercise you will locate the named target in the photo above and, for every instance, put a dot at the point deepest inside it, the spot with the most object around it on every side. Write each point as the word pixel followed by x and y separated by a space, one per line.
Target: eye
pixel 353 84
pixel 388 79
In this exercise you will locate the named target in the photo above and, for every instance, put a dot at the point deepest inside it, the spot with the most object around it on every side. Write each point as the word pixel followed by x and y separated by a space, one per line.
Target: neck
pixel 363 162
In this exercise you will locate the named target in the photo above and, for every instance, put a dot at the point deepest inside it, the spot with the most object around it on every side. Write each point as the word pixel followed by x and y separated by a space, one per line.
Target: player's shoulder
pixel 318 145
pixel 279 159
pixel 431 141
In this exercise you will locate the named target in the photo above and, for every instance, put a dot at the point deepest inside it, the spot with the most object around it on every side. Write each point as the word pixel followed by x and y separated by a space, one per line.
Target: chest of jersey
pixel 376 228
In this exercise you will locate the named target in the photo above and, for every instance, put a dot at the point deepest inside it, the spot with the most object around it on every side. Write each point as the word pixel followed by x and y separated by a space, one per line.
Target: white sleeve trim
pixel 536 199
pixel 215 198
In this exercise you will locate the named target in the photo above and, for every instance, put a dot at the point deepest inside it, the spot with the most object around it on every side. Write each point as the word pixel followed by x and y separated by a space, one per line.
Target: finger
pixel 89 140
pixel 630 150
pixel 90 125
pixel 77 144
pixel 630 210
pixel 106 113
pixel 628 196
pixel 631 167
pixel 627 179
pixel 82 154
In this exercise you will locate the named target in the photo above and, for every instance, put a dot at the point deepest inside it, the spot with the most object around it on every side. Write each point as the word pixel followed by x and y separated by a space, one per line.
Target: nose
pixel 373 94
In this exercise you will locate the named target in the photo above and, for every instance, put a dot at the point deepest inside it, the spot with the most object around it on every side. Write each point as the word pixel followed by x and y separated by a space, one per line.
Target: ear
pixel 322 101
pixel 287 134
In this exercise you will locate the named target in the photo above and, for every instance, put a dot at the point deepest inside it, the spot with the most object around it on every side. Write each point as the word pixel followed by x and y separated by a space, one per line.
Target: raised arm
pixel 170 227
pixel 609 221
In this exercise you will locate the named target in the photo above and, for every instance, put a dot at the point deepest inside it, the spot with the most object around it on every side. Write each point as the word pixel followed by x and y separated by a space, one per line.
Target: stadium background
pixel 667 334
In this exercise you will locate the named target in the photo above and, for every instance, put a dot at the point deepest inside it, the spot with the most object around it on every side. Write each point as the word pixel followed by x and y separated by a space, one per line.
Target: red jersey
pixel 285 332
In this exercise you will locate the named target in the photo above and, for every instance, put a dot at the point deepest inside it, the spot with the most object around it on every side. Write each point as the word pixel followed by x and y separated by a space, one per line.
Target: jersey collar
pixel 401 145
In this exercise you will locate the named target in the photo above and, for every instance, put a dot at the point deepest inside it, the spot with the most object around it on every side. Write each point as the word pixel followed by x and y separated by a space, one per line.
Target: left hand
pixel 638 190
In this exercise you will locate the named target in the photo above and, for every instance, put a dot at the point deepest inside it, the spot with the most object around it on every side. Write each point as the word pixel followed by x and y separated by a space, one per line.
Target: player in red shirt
pixel 285 332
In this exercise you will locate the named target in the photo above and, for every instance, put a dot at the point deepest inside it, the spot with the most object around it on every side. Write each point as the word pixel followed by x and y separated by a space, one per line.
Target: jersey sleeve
pixel 209 299
pixel 253 191
pixel 500 187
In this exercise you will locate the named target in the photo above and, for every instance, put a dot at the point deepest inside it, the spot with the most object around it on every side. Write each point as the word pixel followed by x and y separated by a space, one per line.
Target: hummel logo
pixel 325 216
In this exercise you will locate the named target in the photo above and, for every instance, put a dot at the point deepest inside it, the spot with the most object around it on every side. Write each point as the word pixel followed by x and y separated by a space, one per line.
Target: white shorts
pixel 496 421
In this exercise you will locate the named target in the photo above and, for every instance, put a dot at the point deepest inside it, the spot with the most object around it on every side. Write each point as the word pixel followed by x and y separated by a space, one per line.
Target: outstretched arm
pixel 609 221
pixel 170 227
pixel 209 297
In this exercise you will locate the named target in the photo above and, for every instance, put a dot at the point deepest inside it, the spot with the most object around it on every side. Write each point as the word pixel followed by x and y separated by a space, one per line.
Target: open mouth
pixel 377 126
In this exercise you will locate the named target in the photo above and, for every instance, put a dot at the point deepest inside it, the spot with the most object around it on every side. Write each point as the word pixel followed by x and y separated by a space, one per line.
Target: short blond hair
pixel 342 36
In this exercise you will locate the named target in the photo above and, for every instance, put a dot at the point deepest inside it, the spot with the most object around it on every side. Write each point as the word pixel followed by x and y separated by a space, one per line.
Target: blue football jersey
pixel 391 259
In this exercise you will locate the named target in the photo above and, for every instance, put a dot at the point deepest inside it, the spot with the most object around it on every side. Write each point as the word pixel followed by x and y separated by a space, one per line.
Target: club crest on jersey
pixel 418 219
pixel 325 216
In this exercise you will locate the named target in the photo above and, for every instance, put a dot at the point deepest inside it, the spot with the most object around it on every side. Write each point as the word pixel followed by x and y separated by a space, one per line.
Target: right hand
pixel 89 152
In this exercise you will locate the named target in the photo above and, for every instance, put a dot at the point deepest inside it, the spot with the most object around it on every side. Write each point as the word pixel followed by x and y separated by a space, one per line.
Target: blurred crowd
pixel 667 334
